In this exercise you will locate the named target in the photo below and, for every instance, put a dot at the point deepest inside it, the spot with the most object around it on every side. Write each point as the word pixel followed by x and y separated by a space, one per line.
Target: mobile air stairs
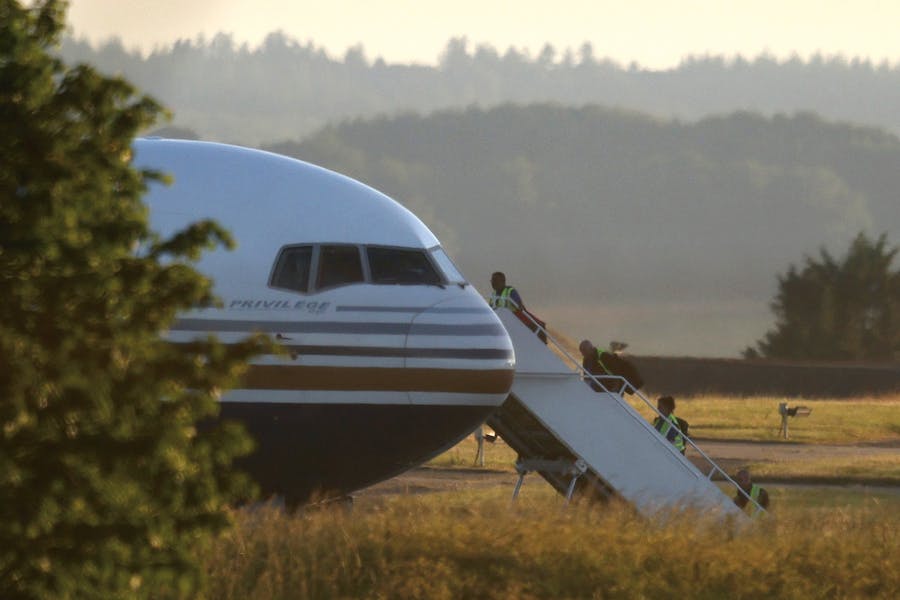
pixel 593 444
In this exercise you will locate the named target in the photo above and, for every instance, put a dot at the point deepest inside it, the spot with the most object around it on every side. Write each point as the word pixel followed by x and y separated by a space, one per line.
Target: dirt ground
pixel 730 455
pixel 424 480
pixel 784 451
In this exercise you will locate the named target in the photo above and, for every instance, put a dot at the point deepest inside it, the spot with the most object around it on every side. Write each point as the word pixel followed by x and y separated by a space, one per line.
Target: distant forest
pixel 285 90
pixel 603 207
pixel 664 231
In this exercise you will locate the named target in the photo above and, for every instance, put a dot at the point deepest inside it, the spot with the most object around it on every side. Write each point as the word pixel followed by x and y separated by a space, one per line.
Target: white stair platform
pixel 620 447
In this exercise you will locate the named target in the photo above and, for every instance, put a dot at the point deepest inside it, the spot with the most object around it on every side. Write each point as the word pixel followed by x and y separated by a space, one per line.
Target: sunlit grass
pixel 832 542
pixel 757 419
pixel 497 456
pixel 883 469
pixel 465 545
pixel 788 500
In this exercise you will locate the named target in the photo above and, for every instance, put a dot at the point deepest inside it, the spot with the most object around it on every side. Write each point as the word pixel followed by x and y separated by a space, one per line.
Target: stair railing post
pixel 518 486
pixel 522 472
pixel 579 468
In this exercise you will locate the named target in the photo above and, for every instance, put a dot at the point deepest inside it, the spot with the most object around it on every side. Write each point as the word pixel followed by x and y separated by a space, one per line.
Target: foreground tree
pixel 847 309
pixel 107 487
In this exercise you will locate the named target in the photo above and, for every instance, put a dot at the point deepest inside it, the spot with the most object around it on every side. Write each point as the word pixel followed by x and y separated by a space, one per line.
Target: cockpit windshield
pixel 292 269
pixel 338 265
pixel 401 266
pixel 451 273
pixel 311 267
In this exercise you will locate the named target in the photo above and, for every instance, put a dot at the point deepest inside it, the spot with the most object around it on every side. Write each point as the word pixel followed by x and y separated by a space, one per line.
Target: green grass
pixel 465 545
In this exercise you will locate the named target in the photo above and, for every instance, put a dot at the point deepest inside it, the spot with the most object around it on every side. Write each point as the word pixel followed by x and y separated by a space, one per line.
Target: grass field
pixel 884 470
pixel 881 470
pixel 465 545
pixel 496 456
pixel 863 421
pixel 817 541
pixel 757 419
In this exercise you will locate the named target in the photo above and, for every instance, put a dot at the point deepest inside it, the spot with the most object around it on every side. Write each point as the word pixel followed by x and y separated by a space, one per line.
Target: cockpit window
pixel 292 269
pixel 446 265
pixel 310 267
pixel 338 265
pixel 401 266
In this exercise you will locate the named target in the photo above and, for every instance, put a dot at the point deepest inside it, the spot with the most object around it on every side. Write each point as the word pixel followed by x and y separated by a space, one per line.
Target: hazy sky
pixel 653 33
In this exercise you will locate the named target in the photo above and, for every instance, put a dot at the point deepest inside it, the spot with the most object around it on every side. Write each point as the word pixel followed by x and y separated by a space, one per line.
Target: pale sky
pixel 653 33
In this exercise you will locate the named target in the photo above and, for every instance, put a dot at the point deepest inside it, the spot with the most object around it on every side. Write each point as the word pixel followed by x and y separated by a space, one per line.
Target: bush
pixel 107 488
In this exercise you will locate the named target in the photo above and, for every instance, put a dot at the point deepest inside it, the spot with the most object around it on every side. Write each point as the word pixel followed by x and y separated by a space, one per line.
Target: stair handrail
pixel 627 384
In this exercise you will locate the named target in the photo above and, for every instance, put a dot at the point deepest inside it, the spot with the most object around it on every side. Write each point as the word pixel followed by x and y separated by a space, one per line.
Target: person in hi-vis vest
pixel 756 493
pixel 607 367
pixel 504 296
pixel 669 425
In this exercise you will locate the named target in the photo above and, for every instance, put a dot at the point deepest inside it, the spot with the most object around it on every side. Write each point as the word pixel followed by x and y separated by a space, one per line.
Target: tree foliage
pixel 838 309
pixel 107 486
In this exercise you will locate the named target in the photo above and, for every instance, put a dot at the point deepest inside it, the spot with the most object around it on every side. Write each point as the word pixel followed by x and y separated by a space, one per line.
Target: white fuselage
pixel 392 356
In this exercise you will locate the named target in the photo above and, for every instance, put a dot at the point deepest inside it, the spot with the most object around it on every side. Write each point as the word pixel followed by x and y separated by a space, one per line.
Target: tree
pixel 846 309
pixel 108 488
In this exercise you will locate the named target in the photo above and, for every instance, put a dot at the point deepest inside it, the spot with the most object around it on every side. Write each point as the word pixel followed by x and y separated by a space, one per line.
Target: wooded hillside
pixel 591 206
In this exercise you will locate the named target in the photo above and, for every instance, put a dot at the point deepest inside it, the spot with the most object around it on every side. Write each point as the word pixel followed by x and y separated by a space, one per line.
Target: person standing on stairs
pixel 607 367
pixel 668 425
pixel 757 493
pixel 506 296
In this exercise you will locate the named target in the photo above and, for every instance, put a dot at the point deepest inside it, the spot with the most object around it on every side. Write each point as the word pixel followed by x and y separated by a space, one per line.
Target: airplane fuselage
pixel 391 356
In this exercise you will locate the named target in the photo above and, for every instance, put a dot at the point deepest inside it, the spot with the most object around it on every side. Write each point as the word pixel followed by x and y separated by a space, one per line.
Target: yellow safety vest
pixel 678 442
pixel 600 361
pixel 754 495
pixel 503 300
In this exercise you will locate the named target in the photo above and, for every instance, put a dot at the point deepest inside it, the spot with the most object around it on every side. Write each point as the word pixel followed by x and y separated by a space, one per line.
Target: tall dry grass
pixel 467 545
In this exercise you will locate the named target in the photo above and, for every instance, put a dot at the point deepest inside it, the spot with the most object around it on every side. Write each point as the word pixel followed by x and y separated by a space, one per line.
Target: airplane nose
pixel 462 345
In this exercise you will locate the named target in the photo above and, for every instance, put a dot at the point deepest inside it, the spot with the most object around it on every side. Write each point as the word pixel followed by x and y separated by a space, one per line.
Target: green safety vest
pixel 678 442
pixel 754 495
pixel 600 351
pixel 606 370
pixel 503 300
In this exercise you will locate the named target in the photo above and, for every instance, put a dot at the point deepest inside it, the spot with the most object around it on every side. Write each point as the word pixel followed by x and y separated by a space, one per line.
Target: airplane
pixel 392 357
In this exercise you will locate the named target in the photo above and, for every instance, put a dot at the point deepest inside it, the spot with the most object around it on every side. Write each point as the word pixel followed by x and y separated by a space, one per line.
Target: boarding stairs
pixel 594 444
